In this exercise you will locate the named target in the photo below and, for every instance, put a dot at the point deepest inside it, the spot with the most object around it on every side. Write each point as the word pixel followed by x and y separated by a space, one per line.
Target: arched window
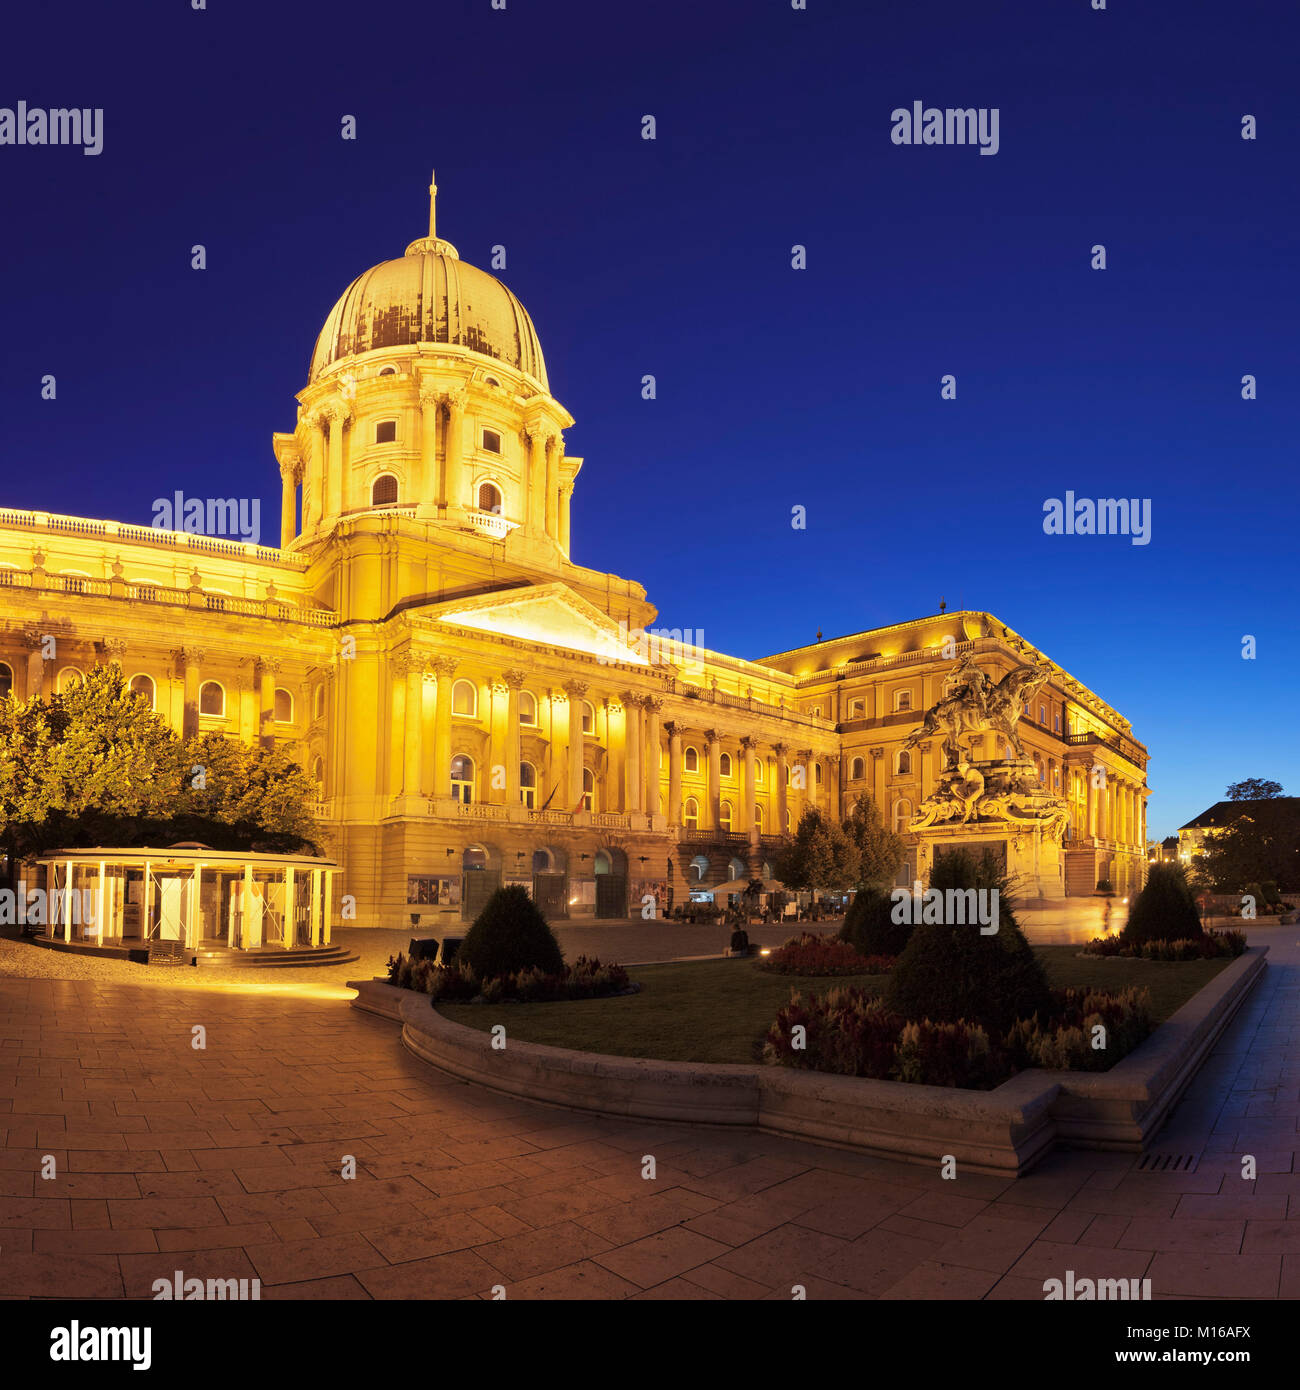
pixel 588 718
pixel 903 763
pixel 787 820
pixel 857 710
pixel 725 815
pixel 758 769
pixel 1042 714
pixel 386 432
pixel 691 815
pixel 383 491
pixel 318 773
pixel 902 700
pixel 737 869
pixel 464 698
pixel 6 678
pixel 691 760
pixel 318 702
pixel 143 685
pixel 475 857
pixel 602 864
pixel 68 677
pixel 817 773
pixel 902 814
pixel 527 708
pixel 527 784
pixel 758 819
pixel 857 770
pixel 388 371
pixel 699 867
pixel 588 789
pixel 725 765
pixel 212 699
pixel 462 779
pixel 491 381
pixel 489 498
pixel 283 706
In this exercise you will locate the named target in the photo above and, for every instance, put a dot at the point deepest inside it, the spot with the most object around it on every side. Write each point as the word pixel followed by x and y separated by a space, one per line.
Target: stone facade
pixel 468 698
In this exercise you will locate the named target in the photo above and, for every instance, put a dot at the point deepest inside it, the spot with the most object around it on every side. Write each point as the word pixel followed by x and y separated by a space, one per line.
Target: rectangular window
pixel 386 432
pixel 492 441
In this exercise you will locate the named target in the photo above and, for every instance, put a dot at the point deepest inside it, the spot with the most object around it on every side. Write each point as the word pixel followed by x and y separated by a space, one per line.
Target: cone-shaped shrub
pixel 1165 909
pixel 950 973
pixel 869 925
pixel 510 934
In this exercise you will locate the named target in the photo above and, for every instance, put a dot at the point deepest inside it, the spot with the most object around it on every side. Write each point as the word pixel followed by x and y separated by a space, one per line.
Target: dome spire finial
pixel 432 244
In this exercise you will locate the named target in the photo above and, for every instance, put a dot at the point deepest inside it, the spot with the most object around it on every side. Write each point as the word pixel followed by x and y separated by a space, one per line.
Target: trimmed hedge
pixel 459 984
pixel 869 926
pixel 951 973
pixel 510 935
pixel 1165 909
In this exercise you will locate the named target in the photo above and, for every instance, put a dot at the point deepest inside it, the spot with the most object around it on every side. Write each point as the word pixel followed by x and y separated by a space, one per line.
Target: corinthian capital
pixel 575 689
pixel 268 666
pixel 456 398
pixel 514 678
pixel 654 703
pixel 430 394
pixel 444 665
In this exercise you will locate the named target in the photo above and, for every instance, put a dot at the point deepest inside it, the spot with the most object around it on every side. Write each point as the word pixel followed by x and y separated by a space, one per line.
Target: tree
pixel 1261 845
pixel 880 851
pixel 821 856
pixel 77 765
pixel 262 793
pixel 1254 789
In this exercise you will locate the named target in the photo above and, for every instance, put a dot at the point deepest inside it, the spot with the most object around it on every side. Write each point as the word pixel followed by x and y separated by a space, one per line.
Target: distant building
pixel 1193 837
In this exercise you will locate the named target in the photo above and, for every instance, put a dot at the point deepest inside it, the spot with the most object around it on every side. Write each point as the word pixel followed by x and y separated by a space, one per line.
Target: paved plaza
pixel 225 1162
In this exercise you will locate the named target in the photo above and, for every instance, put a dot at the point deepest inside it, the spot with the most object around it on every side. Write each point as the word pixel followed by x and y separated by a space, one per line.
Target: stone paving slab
pixel 227 1162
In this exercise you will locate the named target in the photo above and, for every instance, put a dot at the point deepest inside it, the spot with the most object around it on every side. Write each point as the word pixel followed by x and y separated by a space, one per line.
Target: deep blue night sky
pixel 776 387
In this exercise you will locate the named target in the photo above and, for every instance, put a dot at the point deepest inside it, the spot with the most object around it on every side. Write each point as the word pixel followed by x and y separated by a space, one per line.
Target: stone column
pixel 35 674
pixel 575 690
pixel 654 794
pixel 566 500
pixel 878 784
pixel 782 774
pixel 427 490
pixel 444 667
pixel 457 486
pixel 288 521
pixel 809 777
pixel 750 746
pixel 313 457
pixel 411 667
pixel 1091 822
pixel 537 439
pixel 674 772
pixel 514 682
pixel 553 451
pixel 191 661
pixel 714 809
pixel 338 413
pixel 634 750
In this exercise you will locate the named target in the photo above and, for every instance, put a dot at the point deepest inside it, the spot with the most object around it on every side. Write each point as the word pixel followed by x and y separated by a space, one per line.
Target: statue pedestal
pixel 1011 817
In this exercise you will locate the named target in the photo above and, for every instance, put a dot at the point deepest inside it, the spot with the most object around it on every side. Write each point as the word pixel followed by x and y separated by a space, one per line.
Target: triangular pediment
pixel 545 615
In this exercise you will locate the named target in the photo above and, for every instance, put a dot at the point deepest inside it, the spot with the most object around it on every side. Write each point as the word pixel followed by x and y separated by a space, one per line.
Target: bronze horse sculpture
pixel 978 705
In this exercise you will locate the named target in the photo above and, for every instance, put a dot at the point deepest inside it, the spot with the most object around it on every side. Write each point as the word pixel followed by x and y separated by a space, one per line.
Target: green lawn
pixel 719 1010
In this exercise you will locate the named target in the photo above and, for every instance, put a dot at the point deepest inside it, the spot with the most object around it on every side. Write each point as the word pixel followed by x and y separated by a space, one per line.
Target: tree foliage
pixel 1254 789
pixel 1165 909
pixel 880 851
pixel 1261 845
pixel 93 765
pixel 821 855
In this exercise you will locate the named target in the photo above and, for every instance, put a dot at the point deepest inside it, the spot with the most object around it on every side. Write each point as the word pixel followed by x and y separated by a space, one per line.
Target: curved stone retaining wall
pixel 1004 1131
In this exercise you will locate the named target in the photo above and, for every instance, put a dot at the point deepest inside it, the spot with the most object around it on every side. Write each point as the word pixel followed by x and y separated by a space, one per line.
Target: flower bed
pixel 852 1033
pixel 1211 946
pixel 458 984
pixel 810 954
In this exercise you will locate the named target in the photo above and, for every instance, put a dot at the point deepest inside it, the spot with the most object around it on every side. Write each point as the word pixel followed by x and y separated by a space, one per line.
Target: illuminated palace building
pixel 475 706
